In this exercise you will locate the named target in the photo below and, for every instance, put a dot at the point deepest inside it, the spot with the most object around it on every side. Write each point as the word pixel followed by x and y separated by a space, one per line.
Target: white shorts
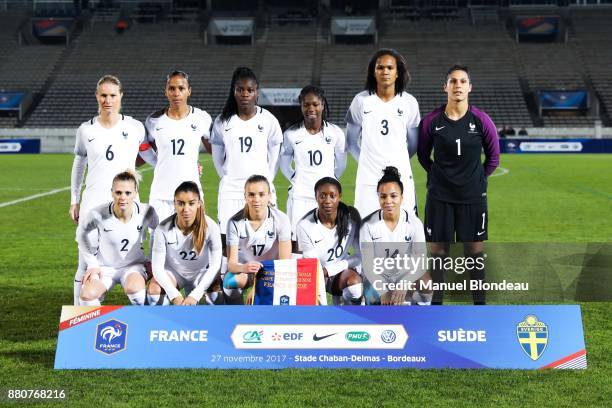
pixel 185 283
pixel 226 208
pixel 163 208
pixel 112 276
pixel 296 209
pixel 366 197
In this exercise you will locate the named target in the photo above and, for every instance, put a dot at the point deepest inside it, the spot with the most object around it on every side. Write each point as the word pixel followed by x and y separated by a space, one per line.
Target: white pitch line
pixel 33 197
pixel 46 193
pixel 502 172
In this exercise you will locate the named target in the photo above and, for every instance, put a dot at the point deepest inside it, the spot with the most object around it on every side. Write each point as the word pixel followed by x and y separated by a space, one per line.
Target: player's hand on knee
pixel 91 274
pixel 253 267
pixel 397 297
pixel 178 301
pixel 74 212
pixel 189 301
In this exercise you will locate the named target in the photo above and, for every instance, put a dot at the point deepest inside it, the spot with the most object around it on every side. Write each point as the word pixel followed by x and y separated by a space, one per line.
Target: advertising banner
pixel 273 337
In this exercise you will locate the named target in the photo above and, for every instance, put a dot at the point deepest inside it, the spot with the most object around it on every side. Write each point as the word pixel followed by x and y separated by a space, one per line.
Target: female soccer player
pixel 327 233
pixel 317 147
pixel 110 241
pixel 391 232
pixel 105 145
pixel 176 133
pixel 246 140
pixel 456 204
pixel 381 128
pixel 186 252
pixel 256 233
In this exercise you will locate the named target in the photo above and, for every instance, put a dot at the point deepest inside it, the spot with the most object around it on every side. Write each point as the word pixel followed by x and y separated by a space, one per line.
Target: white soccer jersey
pixel 383 128
pixel 246 145
pixel 172 250
pixel 407 238
pixel 262 244
pixel 315 156
pixel 317 241
pixel 178 147
pixel 109 152
pixel 113 243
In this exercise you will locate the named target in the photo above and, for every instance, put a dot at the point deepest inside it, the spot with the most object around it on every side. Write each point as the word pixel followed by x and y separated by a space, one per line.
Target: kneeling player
pixel 254 234
pixel 117 255
pixel 186 253
pixel 393 232
pixel 327 233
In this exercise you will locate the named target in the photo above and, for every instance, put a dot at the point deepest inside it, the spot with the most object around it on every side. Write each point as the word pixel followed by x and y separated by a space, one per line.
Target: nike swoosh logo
pixel 316 242
pixel 228 129
pixel 171 243
pixel 297 143
pixel 366 112
pixel 91 140
pixel 480 233
pixel 107 230
pixel 243 237
pixel 317 338
pixel 375 238
pixel 158 129
pixel 440 128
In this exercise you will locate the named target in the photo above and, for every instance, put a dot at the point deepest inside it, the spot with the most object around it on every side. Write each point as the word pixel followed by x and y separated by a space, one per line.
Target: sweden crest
pixel 532 335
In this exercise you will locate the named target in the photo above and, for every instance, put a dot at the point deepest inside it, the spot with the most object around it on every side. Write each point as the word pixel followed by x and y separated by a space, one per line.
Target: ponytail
pixel 346 214
pixel 199 230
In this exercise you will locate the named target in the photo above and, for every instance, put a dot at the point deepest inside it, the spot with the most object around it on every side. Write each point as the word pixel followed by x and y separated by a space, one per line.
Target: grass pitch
pixel 535 198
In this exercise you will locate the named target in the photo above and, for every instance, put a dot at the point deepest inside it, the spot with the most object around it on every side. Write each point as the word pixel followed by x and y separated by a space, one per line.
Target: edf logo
pixel 111 337
pixel 293 336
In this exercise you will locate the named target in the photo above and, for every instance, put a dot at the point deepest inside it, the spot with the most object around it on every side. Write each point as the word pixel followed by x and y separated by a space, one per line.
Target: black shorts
pixel 446 221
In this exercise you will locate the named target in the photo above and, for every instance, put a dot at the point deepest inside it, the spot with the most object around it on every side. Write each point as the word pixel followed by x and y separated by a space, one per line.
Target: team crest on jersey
pixel 139 228
pixel 532 335
pixel 472 128
pixel 407 238
pixel 260 128
pixel 194 127
pixel 284 300
pixel 328 139
pixel 125 135
pixel 399 112
pixel 111 337
pixel 270 234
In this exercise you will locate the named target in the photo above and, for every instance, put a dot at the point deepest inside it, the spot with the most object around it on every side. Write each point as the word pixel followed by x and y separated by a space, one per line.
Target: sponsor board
pixel 273 337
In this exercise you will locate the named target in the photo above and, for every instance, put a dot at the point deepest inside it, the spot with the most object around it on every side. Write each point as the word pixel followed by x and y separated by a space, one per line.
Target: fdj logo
pixel 357 336
pixel 111 337
pixel 252 336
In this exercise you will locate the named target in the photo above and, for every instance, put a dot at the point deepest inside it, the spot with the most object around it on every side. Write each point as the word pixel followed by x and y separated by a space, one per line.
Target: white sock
pixel 154 300
pixel 223 267
pixel 352 294
pixel 138 298
pixel 77 292
pixel 95 302
pixel 421 299
pixel 336 300
pixel 296 256
pixel 214 298
pixel 233 296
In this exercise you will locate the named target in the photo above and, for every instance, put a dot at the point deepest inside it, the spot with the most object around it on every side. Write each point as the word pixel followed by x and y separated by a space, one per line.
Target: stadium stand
pixel 507 75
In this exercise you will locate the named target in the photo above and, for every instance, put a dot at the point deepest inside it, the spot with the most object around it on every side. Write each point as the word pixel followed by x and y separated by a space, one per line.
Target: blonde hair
pixel 128 175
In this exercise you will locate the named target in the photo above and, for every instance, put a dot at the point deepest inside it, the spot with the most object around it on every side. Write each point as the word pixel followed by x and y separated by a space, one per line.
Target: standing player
pixel 105 145
pixel 456 178
pixel 176 133
pixel 186 252
pixel 389 232
pixel 381 127
pixel 110 239
pixel 256 233
pixel 246 140
pixel 327 233
pixel 317 148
